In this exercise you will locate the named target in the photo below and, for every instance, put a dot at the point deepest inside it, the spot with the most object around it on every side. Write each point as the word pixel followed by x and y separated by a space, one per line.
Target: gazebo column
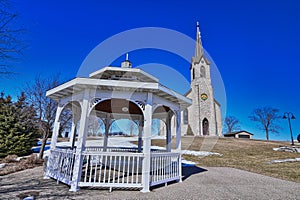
pixel 56 126
pixel 76 117
pixel 140 137
pixel 107 126
pixel 168 133
pixel 81 142
pixel 73 134
pixel 178 140
pixel 54 134
pixel 147 144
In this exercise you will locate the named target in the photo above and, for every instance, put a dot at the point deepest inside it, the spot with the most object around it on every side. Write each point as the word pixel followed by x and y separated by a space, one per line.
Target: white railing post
pixel 81 142
pixel 147 144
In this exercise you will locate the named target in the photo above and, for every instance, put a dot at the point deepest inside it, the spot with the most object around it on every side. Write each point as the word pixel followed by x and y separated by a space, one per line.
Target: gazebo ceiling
pixel 162 109
pixel 118 106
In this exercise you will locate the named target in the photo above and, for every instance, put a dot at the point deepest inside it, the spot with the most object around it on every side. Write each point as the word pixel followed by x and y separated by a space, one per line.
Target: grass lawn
pixel 249 155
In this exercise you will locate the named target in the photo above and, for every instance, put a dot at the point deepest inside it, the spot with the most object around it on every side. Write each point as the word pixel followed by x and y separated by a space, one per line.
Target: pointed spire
pixel 126 56
pixel 199 49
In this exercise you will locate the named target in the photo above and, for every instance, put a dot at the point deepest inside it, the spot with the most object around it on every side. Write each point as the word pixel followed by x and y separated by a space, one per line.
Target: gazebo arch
pixel 75 108
pixel 115 108
pixel 116 93
pixel 165 114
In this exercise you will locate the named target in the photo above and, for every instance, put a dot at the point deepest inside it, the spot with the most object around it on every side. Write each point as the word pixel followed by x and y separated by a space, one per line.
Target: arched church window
pixel 193 73
pixel 202 72
pixel 185 116
pixel 205 127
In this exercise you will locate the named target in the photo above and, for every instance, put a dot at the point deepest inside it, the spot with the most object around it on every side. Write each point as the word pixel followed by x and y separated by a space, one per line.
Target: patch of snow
pixel 187 162
pixel 29 198
pixel 287 149
pixel 2 165
pixel 160 137
pixel 200 153
pixel 285 160
pixel 157 147
pixel 18 158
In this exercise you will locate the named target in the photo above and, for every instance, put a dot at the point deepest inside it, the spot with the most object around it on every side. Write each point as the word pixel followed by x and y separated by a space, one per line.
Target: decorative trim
pixel 141 104
pixel 94 102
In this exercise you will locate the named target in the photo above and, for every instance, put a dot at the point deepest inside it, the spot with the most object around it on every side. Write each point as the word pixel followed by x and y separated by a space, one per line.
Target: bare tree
pixel 267 118
pixel 44 106
pixel 65 121
pixel 95 125
pixel 231 124
pixel 11 45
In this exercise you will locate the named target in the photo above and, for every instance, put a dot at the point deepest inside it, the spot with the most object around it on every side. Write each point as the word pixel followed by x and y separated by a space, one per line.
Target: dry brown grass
pixel 13 165
pixel 250 155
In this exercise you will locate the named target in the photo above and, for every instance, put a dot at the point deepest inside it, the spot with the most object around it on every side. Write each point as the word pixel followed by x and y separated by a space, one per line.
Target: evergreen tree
pixel 17 126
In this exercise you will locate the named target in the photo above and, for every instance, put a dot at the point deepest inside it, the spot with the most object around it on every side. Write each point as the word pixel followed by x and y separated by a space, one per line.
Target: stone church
pixel 203 117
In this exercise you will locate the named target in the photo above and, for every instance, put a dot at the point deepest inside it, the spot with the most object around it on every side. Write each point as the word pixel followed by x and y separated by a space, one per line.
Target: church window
pixel 205 127
pixel 202 72
pixel 185 116
pixel 193 73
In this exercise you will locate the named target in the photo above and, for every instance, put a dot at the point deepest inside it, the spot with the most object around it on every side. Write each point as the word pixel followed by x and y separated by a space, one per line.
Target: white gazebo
pixel 114 93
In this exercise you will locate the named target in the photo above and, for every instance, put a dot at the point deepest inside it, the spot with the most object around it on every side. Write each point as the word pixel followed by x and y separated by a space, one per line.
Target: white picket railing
pixel 110 149
pixel 112 169
pixel 60 165
pixel 119 149
pixel 164 168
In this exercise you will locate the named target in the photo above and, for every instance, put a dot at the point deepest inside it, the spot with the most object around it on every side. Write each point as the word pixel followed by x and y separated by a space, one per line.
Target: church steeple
pixel 199 48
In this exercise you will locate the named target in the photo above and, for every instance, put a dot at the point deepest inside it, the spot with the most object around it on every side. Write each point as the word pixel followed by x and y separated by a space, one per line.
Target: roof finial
pixel 126 63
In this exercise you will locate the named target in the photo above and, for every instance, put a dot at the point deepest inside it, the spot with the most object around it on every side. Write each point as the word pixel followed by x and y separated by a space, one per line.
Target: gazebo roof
pixel 121 79
pixel 117 73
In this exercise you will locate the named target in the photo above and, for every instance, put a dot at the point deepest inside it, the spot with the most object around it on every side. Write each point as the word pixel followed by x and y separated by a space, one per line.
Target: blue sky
pixel 255 45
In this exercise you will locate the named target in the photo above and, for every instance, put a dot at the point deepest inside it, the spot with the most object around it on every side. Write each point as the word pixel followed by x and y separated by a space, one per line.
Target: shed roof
pixel 237 132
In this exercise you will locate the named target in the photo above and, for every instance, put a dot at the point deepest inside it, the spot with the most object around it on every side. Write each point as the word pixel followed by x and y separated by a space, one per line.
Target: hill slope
pixel 250 155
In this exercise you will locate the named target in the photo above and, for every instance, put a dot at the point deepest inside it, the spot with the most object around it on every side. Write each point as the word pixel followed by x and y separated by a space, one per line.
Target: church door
pixel 205 126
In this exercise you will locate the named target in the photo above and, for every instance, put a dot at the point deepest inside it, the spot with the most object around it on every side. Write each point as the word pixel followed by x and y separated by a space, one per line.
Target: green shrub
pixel 17 126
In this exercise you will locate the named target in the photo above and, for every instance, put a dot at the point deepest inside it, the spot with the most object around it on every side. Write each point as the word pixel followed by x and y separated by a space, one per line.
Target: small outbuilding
pixel 239 134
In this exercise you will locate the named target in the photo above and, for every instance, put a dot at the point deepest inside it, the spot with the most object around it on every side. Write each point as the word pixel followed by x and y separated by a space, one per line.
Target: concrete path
pixel 198 183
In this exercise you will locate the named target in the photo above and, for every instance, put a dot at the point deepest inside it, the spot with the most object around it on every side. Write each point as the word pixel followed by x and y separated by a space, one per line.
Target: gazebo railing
pixel 110 149
pixel 164 168
pixel 60 165
pixel 112 169
pixel 119 149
